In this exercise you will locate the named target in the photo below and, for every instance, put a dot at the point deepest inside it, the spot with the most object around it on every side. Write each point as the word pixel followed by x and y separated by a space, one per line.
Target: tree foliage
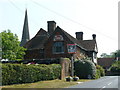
pixel 117 52
pixel 104 55
pixel 11 46
pixel 115 67
pixel 112 54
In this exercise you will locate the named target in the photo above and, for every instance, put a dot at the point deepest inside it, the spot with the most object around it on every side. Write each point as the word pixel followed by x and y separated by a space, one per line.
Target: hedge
pixel 22 73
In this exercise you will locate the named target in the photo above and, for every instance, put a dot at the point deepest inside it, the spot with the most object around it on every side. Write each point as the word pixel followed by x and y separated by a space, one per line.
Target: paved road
pixel 109 82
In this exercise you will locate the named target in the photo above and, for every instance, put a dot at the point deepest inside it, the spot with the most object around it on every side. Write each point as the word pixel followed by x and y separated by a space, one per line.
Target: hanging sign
pixel 71 48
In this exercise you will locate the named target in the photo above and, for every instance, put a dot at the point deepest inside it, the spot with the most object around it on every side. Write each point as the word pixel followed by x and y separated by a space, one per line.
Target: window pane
pixel 58 47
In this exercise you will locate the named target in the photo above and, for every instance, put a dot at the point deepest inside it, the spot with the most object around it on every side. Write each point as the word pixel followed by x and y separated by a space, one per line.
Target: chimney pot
pixel 94 36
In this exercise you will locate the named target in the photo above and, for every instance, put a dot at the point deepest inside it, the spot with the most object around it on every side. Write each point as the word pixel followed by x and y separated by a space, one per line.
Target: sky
pixel 98 17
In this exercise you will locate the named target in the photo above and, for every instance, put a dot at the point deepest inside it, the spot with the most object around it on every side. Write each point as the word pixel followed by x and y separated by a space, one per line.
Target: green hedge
pixel 21 73
pixel 84 68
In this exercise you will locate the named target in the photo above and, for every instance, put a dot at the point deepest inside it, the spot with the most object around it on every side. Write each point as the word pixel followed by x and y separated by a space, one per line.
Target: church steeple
pixel 25 33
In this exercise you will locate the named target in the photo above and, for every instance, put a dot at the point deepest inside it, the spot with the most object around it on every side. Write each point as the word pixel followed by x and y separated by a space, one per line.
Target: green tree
pixel 115 68
pixel 11 46
pixel 0 43
pixel 112 54
pixel 117 53
pixel 104 55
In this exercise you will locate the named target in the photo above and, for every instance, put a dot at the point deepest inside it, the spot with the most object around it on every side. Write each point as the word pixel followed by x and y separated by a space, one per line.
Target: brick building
pixel 57 43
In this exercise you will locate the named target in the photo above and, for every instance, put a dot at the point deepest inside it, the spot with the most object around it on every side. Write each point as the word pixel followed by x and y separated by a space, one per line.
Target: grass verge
pixel 46 84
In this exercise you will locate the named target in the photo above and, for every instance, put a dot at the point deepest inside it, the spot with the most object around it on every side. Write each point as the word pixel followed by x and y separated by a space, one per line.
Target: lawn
pixel 46 84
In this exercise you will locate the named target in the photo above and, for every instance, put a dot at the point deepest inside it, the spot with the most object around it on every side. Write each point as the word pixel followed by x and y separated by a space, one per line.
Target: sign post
pixel 72 66
pixel 71 51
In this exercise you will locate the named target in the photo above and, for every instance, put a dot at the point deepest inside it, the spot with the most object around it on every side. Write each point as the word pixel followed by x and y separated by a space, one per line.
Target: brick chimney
pixel 94 36
pixel 51 26
pixel 79 35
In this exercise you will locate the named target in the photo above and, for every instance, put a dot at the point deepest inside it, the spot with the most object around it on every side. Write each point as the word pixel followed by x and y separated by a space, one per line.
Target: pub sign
pixel 71 48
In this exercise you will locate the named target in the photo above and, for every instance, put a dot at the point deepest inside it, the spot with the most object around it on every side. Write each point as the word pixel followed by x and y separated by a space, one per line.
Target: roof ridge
pixel 41 32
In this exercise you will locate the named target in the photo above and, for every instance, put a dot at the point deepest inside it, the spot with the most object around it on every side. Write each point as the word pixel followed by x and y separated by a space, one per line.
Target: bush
pixel 84 68
pixel 115 68
pixel 101 70
pixel 21 73
pixel 97 75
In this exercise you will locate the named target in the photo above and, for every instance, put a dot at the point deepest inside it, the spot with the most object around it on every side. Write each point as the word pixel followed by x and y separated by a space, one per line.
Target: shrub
pixel 101 70
pixel 84 68
pixel 115 68
pixel 97 75
pixel 21 73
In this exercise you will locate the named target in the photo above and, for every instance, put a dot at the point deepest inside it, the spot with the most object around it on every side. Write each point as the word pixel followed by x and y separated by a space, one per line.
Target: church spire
pixel 25 33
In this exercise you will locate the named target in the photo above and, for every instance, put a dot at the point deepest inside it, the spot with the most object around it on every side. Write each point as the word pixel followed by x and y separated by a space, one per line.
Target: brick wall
pixel 66 65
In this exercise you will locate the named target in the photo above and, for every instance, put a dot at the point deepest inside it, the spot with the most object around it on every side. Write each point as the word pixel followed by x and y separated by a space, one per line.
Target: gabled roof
pixel 42 37
pixel 41 32
pixel 38 41
pixel 90 45
pixel 72 39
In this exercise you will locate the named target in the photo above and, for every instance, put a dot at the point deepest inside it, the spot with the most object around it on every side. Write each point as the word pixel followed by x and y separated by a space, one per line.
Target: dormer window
pixel 58 47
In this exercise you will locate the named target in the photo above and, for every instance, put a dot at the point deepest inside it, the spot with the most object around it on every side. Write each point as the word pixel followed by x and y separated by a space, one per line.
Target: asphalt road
pixel 104 83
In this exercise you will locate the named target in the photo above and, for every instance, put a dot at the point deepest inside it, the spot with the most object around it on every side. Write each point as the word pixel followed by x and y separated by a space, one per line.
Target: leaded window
pixel 58 47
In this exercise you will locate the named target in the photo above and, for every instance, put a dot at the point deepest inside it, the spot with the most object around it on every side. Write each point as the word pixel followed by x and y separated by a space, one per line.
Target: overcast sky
pixel 98 17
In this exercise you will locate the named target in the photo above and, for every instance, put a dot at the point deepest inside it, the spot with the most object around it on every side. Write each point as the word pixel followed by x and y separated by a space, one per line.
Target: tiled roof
pixel 42 36
pixel 74 40
pixel 38 41
pixel 105 62
pixel 88 44
pixel 42 32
